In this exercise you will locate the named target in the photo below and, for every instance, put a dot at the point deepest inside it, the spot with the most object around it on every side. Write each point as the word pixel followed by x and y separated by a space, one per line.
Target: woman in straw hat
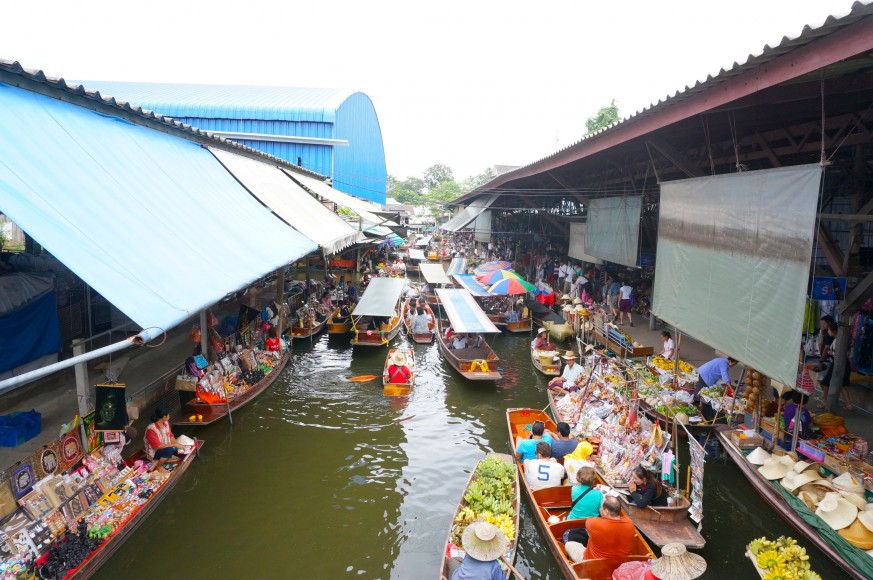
pixel 484 543
pixel 676 563
pixel 398 372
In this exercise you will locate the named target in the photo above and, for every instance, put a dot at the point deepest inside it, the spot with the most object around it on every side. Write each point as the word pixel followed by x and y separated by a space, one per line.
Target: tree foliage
pixel 436 174
pixel 436 187
pixel 605 117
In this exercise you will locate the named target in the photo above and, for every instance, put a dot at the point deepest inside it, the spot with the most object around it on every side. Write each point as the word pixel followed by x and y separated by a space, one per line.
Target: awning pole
pixel 83 387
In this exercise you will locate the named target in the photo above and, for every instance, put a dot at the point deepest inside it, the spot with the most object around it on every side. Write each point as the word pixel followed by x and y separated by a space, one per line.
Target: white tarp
pixel 363 208
pixel 290 202
pixel 416 255
pixel 733 262
pixel 463 218
pixel 482 227
pixel 613 229
pixel 577 244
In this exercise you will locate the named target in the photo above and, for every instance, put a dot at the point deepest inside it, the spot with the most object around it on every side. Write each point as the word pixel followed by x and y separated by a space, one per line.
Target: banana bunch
pixel 504 523
pixel 783 559
pixel 663 364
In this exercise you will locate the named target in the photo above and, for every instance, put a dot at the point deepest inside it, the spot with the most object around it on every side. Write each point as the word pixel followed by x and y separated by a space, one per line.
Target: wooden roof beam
pixel 675 157
pixel 831 251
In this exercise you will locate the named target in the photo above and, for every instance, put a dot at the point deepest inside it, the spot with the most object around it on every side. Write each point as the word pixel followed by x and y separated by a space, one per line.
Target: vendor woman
pixel 160 444
pixel 646 489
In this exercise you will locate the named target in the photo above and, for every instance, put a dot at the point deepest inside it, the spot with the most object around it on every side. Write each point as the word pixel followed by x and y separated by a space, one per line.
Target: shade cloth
pixel 577 244
pixel 457 266
pixel 30 329
pixel 469 282
pixel 380 298
pixel 363 208
pixel 417 255
pixel 463 218
pixel 434 274
pixel 151 221
pixel 423 242
pixel 290 202
pixel 612 232
pixel 463 312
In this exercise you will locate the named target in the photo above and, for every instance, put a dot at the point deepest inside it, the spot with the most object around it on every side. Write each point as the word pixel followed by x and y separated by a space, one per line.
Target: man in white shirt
pixel 543 471
pixel 459 342
pixel 568 281
pixel 562 276
pixel 571 370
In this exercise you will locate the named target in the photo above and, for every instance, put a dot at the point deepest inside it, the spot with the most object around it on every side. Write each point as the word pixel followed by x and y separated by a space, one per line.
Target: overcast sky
pixel 470 84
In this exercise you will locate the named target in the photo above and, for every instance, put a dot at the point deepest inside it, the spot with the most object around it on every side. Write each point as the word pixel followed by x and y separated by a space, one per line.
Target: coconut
pixel 748 381
pixel 756 375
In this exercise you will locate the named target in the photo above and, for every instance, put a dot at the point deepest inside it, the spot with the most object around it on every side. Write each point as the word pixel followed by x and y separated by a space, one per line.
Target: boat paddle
pixel 363 378
pixel 511 567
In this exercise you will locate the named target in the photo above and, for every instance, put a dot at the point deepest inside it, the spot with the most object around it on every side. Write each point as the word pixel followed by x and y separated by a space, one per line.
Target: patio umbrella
pixel 510 286
pixel 496 275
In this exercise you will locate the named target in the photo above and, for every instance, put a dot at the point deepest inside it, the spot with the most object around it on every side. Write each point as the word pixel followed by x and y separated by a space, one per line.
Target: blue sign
pixel 828 288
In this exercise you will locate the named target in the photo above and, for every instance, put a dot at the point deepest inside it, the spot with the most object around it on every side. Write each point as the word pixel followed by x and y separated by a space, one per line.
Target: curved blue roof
pixel 230 101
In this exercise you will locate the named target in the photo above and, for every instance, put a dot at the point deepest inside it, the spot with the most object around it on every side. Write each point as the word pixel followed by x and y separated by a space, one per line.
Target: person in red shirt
pixel 612 535
pixel 272 342
pixel 160 444
pixel 398 372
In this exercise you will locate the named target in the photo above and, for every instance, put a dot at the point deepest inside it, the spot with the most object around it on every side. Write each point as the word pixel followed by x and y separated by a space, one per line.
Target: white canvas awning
pixel 463 218
pixel 363 208
pixel 434 274
pixel 416 254
pixel 380 298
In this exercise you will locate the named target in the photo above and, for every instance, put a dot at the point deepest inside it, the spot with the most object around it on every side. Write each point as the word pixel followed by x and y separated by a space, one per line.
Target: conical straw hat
pixel 483 541
pixel 848 482
pixel 801 466
pixel 758 456
pixel 866 518
pixel 858 500
pixel 793 480
pixel 773 468
pixel 677 563
pixel 836 511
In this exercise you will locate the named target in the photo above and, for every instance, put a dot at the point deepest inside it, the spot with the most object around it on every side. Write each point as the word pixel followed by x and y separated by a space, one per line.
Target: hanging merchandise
pixel 110 408
pixel 697 454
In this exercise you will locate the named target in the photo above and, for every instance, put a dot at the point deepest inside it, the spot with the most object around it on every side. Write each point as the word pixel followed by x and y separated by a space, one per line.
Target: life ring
pixel 482 365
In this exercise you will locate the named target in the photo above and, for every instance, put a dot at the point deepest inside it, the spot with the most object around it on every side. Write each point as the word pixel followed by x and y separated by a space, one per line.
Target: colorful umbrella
pixel 492 277
pixel 511 286
pixel 491 266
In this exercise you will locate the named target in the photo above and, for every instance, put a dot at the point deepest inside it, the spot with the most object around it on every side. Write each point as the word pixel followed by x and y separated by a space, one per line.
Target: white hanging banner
pixel 482 227
pixel 577 244
pixel 613 232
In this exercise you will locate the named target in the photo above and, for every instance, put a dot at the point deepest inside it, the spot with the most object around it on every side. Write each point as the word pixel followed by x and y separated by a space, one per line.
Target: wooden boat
pixel 556 501
pixel 474 364
pixel 525 325
pixel 433 256
pixel 423 338
pixel 838 552
pixel 444 569
pixel 381 299
pixel 398 389
pixel 694 428
pixel 338 327
pixel 546 365
pixel 299 331
pixel 662 525
pixel 98 557
pixel 213 412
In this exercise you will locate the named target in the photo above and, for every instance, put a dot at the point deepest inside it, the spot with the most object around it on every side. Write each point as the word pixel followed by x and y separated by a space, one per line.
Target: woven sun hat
pixel 758 456
pixel 810 499
pixel 577 301
pixel 567 308
pixel 849 483
pixel 802 466
pixel 399 358
pixel 787 460
pixel 677 563
pixel 565 297
pixel 773 468
pixel 542 330
pixel 836 511
pixel 858 500
pixel 186 441
pixel 580 308
pixel 793 480
pixel 866 518
pixel 858 535
pixel 569 355
pixel 483 541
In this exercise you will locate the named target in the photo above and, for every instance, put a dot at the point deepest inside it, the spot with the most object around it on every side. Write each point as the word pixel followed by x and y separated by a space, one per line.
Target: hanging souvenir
pixel 111 410
pixel 22 478
pixel 71 449
pixel 93 439
pixel 47 460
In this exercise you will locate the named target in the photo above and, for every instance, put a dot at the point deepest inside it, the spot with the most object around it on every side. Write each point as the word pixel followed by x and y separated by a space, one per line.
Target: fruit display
pixel 782 559
pixel 490 497
pixel 666 365
pixel 755 389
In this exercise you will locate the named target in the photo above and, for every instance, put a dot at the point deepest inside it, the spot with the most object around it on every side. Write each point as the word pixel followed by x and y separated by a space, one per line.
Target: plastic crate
pixel 16 428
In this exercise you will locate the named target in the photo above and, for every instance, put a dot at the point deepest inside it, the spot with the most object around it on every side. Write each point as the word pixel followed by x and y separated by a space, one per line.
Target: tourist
pixel 571 371
pixel 625 304
pixel 612 296
pixel 710 373
pixel 542 341
pixel 527 448
pixel 483 544
pixel 612 535
pixel 160 444
pixel 326 301
pixel 586 497
pixel 272 343
pixel 352 293
pixel 419 323
pixel 669 350
pixel 459 341
pixel 398 372
pixel 646 489
pixel 543 471
pixel 563 444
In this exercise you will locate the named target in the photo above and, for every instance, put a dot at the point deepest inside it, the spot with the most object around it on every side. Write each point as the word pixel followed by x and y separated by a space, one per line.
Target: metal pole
pixel 204 335
pixel 83 387
pixel 280 298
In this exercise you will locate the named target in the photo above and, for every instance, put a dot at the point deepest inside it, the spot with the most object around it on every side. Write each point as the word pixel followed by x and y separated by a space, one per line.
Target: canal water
pixel 321 477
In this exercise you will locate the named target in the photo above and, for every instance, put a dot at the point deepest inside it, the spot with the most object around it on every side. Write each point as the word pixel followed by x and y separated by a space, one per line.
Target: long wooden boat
pixel 381 300
pixel 379 337
pixel 693 428
pixel 430 297
pixel 545 365
pixel 214 412
pixel 841 553
pixel 524 325
pixel 299 331
pixel 422 338
pixel 98 557
pixel 341 327
pixel 474 364
pixel 557 501
pixel 511 549
pixel 662 525
pixel 398 389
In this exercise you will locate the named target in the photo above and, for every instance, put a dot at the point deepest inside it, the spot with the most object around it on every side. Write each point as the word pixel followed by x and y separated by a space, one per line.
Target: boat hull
pixel 422 338
pixel 398 389
pixel 378 338
pixel 475 364
pixel 551 369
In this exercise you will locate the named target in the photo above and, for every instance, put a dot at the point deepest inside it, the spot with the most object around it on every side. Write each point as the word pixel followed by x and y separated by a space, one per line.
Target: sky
pixel 470 84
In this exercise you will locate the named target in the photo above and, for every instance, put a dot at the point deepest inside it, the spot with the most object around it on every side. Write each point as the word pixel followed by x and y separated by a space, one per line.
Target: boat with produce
pixel 465 317
pixel 310 320
pixel 376 318
pixel 556 501
pixel 780 558
pixel 403 357
pixel 338 325
pixel 545 361
pixel 119 532
pixel 408 313
pixel 491 495
pixel 247 385
pixel 854 561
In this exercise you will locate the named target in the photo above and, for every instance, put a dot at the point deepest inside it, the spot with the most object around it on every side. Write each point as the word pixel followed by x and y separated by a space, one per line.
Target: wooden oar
pixel 363 378
pixel 511 567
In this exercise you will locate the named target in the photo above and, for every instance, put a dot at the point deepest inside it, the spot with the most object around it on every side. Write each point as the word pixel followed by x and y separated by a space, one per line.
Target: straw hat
pixel 858 535
pixel 577 301
pixel 802 466
pixel 858 500
pixel 186 441
pixel 848 483
pixel 569 355
pixel 758 456
pixel 773 468
pixel 565 297
pixel 677 563
pixel 399 358
pixel 793 480
pixel 542 330
pixel 836 511
pixel 809 498
pixel 567 308
pixel 866 518
pixel 483 541
pixel 580 308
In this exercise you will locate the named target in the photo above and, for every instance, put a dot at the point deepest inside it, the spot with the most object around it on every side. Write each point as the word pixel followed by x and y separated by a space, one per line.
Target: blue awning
pixel 464 313
pixel 471 284
pixel 457 266
pixel 151 221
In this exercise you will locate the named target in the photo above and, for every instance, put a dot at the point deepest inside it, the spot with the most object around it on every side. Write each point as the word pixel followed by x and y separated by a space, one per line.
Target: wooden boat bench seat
pixel 602 568
pixel 474 353
pixel 554 497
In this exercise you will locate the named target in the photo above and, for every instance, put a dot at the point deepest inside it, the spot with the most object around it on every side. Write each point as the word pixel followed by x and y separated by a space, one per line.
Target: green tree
pixel 436 174
pixel 475 181
pixel 443 193
pixel 605 117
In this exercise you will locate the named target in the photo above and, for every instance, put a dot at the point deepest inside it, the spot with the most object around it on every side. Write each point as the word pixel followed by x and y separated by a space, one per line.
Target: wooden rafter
pixel 831 251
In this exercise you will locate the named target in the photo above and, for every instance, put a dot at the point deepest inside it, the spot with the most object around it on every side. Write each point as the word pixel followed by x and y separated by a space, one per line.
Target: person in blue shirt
pixel 483 543
pixel 709 374
pixel 527 448
pixel 589 505
pixel 563 444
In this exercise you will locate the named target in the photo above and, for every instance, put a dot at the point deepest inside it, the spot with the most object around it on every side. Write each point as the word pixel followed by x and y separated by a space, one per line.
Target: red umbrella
pixel 495 276
pixel 510 286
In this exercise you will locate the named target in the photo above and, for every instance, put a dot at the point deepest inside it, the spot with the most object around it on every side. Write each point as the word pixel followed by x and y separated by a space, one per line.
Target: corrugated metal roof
pixel 809 34
pixel 230 101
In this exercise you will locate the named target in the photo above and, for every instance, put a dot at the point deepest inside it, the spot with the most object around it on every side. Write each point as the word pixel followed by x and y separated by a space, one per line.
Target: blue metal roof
pixel 230 101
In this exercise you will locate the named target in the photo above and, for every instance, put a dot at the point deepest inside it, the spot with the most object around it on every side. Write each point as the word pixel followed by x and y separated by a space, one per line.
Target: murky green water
pixel 324 478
